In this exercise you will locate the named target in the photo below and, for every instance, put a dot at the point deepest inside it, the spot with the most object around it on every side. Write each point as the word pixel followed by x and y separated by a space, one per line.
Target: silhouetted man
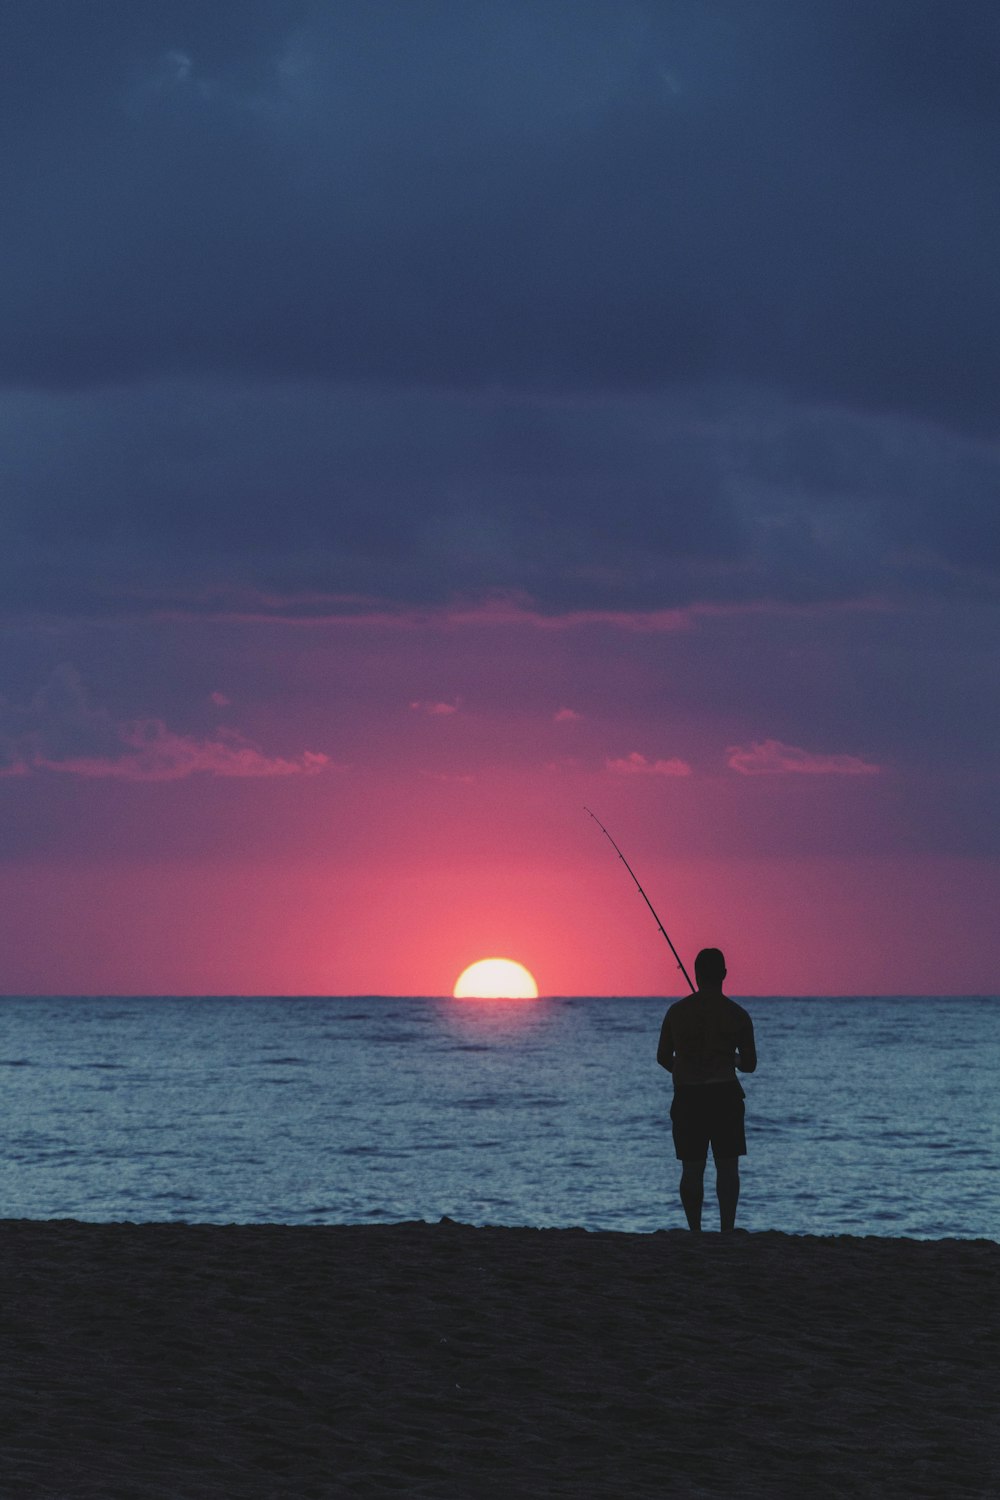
pixel 704 1038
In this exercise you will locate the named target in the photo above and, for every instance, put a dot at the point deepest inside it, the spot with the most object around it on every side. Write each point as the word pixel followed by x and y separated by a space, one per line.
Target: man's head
pixel 710 969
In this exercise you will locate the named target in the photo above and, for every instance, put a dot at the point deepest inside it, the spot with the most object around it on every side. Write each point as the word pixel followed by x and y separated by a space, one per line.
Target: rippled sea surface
pixel 865 1116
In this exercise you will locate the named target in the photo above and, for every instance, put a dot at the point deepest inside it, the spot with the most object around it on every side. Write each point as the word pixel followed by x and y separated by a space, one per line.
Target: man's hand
pixel 746 1055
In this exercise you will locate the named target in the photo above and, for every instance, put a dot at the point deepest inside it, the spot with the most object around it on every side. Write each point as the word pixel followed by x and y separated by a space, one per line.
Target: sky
pixel 423 419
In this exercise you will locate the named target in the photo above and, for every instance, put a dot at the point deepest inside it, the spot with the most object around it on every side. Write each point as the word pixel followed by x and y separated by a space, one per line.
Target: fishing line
pixel 642 893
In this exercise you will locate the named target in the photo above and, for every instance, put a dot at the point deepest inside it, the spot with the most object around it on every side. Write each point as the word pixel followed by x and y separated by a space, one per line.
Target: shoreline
pixel 443 1360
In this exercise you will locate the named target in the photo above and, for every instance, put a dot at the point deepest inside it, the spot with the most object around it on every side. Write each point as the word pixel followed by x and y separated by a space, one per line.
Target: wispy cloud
pixel 773 758
pixel 152 752
pixel 61 730
pixel 635 764
pixel 432 708
pixel 566 716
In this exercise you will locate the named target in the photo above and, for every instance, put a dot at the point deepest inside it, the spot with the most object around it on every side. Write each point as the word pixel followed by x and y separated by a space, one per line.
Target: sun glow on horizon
pixel 496 979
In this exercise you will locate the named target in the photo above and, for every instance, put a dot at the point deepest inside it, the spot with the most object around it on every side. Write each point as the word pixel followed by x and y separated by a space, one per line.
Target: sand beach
pixel 185 1361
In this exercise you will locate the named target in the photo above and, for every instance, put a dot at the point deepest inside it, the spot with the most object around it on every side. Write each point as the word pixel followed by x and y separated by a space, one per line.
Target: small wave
pixel 16 1062
pixel 367 1151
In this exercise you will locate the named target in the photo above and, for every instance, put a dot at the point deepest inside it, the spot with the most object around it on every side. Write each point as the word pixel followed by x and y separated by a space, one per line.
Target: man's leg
pixel 727 1186
pixel 693 1191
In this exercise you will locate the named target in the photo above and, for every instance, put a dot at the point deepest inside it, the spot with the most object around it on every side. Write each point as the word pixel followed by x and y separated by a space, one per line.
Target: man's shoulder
pixel 739 1009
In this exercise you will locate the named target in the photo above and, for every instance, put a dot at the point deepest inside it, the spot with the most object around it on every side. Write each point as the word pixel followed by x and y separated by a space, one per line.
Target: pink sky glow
pixel 338 841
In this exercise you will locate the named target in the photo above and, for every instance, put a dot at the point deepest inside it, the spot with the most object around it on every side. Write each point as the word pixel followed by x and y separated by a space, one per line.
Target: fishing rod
pixel 642 893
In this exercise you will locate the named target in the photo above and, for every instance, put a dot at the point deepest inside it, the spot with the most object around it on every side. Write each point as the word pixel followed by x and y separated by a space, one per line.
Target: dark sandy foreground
pixel 440 1360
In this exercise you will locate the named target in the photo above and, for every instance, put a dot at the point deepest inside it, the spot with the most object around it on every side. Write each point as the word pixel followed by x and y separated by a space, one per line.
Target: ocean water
pixel 865 1116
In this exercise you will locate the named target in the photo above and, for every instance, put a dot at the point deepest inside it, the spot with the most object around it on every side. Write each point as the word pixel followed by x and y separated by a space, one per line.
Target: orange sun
pixel 496 979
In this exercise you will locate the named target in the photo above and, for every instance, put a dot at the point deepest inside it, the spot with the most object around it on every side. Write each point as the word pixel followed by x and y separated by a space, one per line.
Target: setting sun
pixel 496 979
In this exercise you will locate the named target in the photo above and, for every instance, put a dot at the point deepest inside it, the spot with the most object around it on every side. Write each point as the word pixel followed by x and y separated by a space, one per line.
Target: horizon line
pixel 514 1000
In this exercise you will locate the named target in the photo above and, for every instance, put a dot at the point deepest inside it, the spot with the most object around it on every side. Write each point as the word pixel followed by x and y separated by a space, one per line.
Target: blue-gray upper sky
pixel 598 304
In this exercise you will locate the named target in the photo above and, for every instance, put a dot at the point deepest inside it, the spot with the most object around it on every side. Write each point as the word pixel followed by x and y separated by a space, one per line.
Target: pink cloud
pixel 220 700
pixel 519 610
pixel 637 765
pixel 427 706
pixel 62 730
pixel 772 758
pixel 155 753
pixel 566 716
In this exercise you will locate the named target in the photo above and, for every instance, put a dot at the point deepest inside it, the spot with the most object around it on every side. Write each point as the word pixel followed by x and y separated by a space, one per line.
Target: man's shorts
pixel 705 1114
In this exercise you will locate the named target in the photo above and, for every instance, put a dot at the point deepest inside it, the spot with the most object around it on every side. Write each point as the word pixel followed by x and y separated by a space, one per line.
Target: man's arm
pixel 665 1051
pixel 746 1050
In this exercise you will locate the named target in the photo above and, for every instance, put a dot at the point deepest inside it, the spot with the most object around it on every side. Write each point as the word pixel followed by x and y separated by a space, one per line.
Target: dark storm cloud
pixel 566 193
pixel 307 499
pixel 320 306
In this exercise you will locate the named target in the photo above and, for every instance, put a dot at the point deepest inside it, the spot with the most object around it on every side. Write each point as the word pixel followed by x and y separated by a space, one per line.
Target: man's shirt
pixel 702 1037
